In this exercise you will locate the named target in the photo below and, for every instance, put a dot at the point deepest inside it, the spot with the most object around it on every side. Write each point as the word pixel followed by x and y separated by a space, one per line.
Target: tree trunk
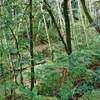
pixel 67 27
pixel 88 15
pixel 31 47
pixel 18 55
pixel 48 8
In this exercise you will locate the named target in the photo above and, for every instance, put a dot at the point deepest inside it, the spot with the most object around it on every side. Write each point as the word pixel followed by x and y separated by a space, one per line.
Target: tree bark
pixel 67 26
pixel 48 8
pixel 31 46
pixel 89 16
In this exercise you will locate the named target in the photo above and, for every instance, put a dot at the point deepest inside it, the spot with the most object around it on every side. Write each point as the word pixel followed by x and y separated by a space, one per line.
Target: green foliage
pixel 79 76
pixel 82 66
pixel 2 94
pixel 32 95
pixel 66 91
pixel 94 95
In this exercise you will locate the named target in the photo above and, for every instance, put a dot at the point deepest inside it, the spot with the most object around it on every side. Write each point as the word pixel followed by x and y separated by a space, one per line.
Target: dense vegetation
pixel 49 49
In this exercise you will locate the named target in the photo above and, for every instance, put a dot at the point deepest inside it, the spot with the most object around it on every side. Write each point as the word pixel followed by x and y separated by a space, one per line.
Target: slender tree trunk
pixel 55 23
pixel 67 27
pixel 18 53
pixel 89 16
pixel 31 47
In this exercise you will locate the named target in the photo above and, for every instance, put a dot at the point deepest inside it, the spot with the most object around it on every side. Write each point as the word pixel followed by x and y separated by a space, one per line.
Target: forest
pixel 49 49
